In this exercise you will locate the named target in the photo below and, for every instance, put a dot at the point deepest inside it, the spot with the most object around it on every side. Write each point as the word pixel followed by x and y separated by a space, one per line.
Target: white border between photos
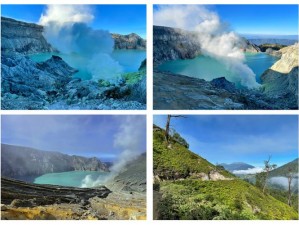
pixel 149 111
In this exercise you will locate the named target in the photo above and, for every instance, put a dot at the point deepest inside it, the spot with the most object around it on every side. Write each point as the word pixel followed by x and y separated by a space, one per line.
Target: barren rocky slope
pixel 280 81
pixel 129 41
pixel 132 178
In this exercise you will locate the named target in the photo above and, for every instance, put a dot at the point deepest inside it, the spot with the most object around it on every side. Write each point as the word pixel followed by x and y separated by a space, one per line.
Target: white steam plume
pixel 215 38
pixel 129 140
pixel 66 28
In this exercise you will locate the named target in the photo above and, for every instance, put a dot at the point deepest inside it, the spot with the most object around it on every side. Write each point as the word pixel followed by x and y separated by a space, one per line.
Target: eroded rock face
pixel 250 47
pixel 281 80
pixel 170 44
pixel 25 163
pixel 132 178
pixel 130 41
pixel 21 37
pixel 288 61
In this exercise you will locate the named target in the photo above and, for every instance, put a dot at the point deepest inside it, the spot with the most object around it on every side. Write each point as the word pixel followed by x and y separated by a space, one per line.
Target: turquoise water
pixel 72 178
pixel 130 61
pixel 207 68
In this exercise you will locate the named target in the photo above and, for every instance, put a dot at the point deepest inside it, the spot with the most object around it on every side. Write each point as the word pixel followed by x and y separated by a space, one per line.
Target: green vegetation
pixel 178 162
pixel 225 199
pixel 134 77
pixel 282 196
pixel 180 195
pixel 284 170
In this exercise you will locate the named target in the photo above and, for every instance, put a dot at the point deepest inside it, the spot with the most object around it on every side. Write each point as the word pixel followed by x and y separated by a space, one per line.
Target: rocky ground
pixel 21 200
pixel 50 84
pixel 185 92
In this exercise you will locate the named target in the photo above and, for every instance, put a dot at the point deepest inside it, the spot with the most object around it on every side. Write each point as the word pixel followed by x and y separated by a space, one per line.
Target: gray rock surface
pixel 49 85
pixel 24 163
pixel 132 178
pixel 129 41
pixel 173 92
pixel 22 37
pixel 281 80
pixel 250 47
pixel 170 44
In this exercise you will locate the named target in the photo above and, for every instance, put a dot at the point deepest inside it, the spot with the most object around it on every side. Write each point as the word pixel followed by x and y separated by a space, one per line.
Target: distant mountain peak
pixel 236 166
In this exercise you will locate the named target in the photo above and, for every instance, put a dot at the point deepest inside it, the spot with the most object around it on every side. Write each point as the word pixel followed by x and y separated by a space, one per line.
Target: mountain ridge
pixel 24 163
pixel 236 166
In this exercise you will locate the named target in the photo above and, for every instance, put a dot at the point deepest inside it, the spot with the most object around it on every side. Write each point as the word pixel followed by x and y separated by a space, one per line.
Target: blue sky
pixel 258 19
pixel 123 19
pixel 91 136
pixel 235 138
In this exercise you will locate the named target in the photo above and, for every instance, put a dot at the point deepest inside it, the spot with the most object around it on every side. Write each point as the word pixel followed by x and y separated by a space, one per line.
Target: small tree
pixel 290 177
pixel 268 167
pixel 167 127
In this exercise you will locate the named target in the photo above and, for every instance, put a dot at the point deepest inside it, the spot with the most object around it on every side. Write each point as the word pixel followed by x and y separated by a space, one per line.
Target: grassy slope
pixel 226 199
pixel 195 199
pixel 178 160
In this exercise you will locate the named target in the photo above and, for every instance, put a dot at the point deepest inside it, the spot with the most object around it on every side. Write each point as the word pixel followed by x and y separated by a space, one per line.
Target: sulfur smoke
pixel 215 38
pixel 66 28
pixel 129 139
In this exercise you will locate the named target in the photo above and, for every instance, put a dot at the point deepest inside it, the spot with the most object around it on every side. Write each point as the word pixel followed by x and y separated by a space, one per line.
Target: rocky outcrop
pixel 22 194
pixel 49 85
pixel 132 178
pixel 21 37
pixel 27 38
pixel 21 200
pixel 250 47
pixel 288 61
pixel 173 91
pixel 171 43
pixel 281 80
pixel 130 41
pixel 26 163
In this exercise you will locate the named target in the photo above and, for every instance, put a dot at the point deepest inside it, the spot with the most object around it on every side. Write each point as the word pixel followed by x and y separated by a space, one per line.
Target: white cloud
pixel 249 171
pixel 61 14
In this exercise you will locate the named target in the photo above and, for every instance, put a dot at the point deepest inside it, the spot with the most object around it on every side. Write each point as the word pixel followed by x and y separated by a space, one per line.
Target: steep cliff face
pixel 250 47
pixel 21 162
pixel 21 37
pixel 132 177
pixel 288 61
pixel 130 41
pixel 170 44
pixel 281 80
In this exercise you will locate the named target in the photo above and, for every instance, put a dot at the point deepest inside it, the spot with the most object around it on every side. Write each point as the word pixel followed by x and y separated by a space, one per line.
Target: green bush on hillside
pixel 211 200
